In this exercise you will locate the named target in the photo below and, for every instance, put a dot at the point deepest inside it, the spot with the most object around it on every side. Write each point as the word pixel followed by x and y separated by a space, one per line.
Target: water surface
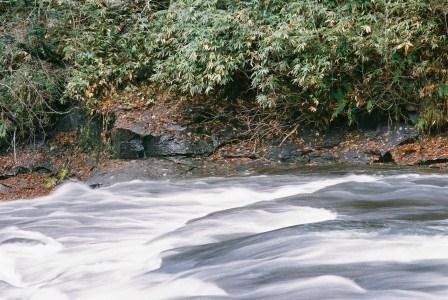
pixel 353 236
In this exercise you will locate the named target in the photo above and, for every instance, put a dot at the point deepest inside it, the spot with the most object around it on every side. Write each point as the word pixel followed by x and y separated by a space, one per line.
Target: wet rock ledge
pixel 134 136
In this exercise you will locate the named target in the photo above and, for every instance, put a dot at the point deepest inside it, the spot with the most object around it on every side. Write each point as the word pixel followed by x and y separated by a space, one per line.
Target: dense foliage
pixel 327 57
pixel 320 59
pixel 31 78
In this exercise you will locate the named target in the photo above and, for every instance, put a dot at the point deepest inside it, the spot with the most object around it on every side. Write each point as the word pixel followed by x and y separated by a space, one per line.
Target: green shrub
pixel 30 81
pixel 108 51
pixel 319 60
pixel 330 58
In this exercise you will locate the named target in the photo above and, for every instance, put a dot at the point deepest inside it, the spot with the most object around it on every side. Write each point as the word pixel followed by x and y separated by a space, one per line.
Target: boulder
pixel 287 152
pixel 391 137
pixel 74 120
pixel 126 144
pixel 385 158
pixel 164 145
pixel 133 144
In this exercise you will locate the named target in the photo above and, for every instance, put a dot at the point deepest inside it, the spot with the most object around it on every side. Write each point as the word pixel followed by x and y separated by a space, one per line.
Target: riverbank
pixel 33 171
pixel 176 139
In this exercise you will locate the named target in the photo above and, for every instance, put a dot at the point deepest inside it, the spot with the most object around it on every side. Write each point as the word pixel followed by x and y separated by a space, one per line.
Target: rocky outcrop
pixel 74 120
pixel 87 127
pixel 391 137
pixel 33 167
pixel 138 136
pixel 287 153
pixel 127 144
pixel 429 162
pixel 137 140
pixel 160 146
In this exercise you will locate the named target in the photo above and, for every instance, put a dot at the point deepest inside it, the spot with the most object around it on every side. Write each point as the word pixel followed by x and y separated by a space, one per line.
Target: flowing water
pixel 358 236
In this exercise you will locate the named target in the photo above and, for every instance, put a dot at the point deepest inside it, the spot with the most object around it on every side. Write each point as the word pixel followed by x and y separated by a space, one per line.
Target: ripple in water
pixel 266 237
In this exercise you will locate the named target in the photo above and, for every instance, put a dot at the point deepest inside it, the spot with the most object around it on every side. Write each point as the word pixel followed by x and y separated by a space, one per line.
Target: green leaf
pixel 351 114
pixel 50 182
pixel 341 105
pixel 443 90
pixel 63 173
pixel 370 106
pixel 3 130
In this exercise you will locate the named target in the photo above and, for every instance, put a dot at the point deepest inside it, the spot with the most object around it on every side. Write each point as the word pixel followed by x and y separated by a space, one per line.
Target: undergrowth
pixel 311 62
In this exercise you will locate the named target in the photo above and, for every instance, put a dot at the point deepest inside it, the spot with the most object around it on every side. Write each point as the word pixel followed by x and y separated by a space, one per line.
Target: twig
pixel 14 146
pixel 289 134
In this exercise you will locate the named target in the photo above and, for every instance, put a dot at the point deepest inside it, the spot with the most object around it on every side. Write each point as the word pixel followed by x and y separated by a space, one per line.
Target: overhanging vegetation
pixel 320 61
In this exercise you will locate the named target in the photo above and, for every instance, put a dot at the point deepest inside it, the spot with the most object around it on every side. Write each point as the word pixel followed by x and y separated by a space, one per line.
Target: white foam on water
pixel 46 294
pixel 18 246
pixel 353 247
pixel 109 243
pixel 307 286
pixel 168 288
pixel 8 272
pixel 253 221
pixel 87 259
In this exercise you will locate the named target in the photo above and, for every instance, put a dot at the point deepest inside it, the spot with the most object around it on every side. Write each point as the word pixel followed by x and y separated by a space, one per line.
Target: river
pixel 363 235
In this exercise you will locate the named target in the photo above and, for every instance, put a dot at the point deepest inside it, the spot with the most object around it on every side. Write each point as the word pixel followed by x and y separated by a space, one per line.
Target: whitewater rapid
pixel 263 237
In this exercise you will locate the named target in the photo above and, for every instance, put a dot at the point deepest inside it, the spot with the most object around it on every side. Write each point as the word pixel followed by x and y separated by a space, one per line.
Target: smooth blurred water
pixel 264 237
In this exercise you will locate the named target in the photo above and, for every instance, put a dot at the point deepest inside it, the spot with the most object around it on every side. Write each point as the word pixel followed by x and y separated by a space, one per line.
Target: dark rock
pixel 43 167
pixel 412 117
pixel 95 185
pixel 17 170
pixel 285 153
pixel 304 159
pixel 385 158
pixel 160 146
pixel 74 120
pixel 322 159
pixel 428 162
pixel 384 139
pixel 132 149
pixel 392 137
pixel 224 137
pixel 88 127
pixel 40 167
pixel 138 135
pixel 126 144
pixel 138 143
pixel 356 157
pixel 323 140
pixel 370 121
pixel 123 134
pixel 90 135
